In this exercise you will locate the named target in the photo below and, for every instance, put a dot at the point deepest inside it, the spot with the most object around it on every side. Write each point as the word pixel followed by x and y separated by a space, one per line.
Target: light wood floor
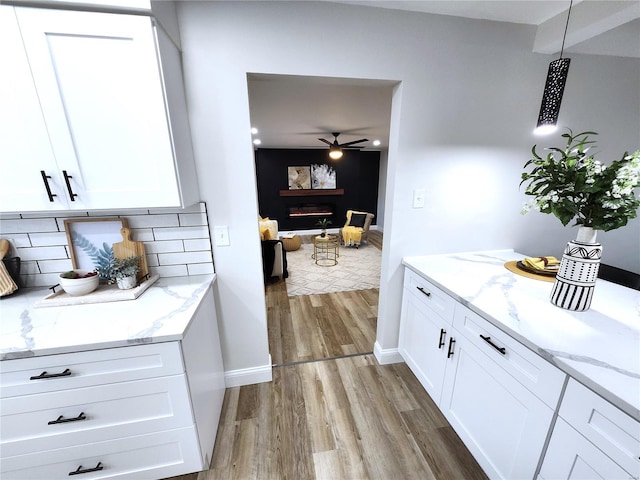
pixel 333 418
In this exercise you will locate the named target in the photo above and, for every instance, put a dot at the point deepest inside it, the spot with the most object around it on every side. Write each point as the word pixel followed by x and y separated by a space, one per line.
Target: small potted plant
pixel 324 224
pixel 125 271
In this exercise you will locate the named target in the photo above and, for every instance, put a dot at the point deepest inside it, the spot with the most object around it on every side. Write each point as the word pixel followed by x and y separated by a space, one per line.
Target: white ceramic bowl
pixel 80 286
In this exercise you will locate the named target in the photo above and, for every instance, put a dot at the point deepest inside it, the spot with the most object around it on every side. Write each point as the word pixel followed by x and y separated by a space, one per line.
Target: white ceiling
pixel 292 112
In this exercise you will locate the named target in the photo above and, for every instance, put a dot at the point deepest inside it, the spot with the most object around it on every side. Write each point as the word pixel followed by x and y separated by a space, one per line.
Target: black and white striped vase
pixel 576 278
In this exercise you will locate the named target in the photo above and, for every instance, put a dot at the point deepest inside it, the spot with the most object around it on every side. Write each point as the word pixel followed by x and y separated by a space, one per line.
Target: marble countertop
pixel 600 347
pixel 160 314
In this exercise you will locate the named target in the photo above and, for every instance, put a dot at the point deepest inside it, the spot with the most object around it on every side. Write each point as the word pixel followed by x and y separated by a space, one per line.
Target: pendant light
pixel 553 89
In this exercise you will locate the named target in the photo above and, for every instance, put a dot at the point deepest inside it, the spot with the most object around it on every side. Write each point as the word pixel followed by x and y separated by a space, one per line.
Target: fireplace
pixel 311 210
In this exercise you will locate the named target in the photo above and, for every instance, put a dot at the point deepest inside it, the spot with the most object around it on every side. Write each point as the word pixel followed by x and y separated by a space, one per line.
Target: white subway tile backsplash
pixel 41 280
pixel 200 268
pixel 40 253
pixel 184 257
pixel 192 219
pixel 170 271
pixel 142 234
pixel 29 268
pixel 40 241
pixel 55 266
pixel 28 225
pixel 197 244
pixel 180 233
pixel 150 221
pixel 18 240
pixel 198 207
pixel 48 239
pixel 164 246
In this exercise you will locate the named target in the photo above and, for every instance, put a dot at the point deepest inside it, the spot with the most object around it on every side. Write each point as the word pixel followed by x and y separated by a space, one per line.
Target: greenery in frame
pixel 324 223
pixel 102 258
pixel 571 184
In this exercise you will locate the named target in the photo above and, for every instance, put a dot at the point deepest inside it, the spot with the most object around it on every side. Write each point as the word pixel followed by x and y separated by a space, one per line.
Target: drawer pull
pixel 80 471
pixel 44 375
pixel 428 294
pixel 452 342
pixel 443 333
pixel 61 419
pixel 502 350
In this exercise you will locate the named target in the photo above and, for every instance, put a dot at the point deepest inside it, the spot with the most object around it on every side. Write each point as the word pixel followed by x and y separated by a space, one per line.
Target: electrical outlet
pixel 418 198
pixel 221 236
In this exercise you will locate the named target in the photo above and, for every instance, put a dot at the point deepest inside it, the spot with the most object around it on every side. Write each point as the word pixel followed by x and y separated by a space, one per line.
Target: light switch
pixel 418 198
pixel 221 236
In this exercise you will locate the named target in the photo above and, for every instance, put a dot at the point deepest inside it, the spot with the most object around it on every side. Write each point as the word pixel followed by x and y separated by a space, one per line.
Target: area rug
pixel 357 269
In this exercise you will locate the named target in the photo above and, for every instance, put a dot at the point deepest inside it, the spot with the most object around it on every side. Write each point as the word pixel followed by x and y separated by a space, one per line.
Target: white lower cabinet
pixel 502 423
pixel 425 334
pixel 570 456
pixel 499 397
pixel 592 439
pixel 135 412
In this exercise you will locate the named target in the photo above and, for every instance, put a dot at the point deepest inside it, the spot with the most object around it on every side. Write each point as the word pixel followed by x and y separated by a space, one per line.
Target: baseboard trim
pixel 386 356
pixel 248 376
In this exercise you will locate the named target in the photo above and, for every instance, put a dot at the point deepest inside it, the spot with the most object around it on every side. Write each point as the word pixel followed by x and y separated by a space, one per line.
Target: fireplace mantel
pixel 311 193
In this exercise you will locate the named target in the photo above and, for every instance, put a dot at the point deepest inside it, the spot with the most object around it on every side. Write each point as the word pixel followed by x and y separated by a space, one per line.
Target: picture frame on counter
pixel 90 240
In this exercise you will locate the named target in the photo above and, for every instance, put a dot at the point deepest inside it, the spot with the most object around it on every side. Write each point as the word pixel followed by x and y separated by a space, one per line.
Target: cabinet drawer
pixel 143 457
pixel 106 412
pixel 26 376
pixel 430 295
pixel 608 428
pixel 536 374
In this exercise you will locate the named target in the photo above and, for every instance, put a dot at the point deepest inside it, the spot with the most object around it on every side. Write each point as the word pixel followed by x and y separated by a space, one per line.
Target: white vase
pixel 127 283
pixel 576 277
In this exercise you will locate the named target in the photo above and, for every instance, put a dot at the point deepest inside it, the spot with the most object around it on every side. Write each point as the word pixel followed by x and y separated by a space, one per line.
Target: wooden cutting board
pixel 129 248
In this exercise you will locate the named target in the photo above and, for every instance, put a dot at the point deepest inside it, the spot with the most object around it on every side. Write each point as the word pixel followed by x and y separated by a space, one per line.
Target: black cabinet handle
pixel 428 294
pixel 72 195
pixel 80 471
pixel 61 419
pixel 45 179
pixel 443 332
pixel 502 350
pixel 452 342
pixel 44 375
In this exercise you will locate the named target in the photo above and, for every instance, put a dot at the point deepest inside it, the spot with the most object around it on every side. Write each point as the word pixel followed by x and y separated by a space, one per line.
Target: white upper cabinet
pixel 106 140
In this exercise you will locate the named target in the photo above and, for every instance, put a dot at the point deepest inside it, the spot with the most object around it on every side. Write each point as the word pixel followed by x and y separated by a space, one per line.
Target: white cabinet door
pixel 570 456
pixel 25 151
pixel 101 94
pixel 501 422
pixel 423 343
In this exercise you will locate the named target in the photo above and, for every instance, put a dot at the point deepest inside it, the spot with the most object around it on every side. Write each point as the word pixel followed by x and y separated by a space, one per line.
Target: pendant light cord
pixel 565 29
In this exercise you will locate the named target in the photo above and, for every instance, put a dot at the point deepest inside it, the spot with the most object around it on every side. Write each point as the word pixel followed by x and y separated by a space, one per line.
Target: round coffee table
pixel 326 250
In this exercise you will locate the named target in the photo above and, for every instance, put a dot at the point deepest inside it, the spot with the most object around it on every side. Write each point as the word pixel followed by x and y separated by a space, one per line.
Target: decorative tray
pixel 103 294
pixel 551 272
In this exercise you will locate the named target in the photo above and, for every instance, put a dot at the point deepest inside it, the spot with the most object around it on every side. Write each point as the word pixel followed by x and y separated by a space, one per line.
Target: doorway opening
pixel 291 114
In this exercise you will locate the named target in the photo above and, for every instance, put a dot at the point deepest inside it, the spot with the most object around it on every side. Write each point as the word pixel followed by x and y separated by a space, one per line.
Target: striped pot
pixel 576 278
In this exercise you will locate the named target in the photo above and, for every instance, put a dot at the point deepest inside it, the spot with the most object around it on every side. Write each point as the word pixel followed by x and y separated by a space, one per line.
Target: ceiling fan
pixel 335 148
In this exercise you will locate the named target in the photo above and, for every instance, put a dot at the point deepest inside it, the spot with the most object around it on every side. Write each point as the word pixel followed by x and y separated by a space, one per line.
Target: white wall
pixel 461 127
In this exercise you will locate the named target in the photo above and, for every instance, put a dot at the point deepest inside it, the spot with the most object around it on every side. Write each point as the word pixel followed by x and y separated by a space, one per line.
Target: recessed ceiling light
pixel 254 130
pixel 376 143
pixel 257 141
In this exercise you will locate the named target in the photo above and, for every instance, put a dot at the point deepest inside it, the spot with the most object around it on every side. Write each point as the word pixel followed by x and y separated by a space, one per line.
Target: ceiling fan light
pixel 335 153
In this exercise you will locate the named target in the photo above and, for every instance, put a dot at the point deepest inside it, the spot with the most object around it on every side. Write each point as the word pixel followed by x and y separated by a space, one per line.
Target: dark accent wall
pixel 357 172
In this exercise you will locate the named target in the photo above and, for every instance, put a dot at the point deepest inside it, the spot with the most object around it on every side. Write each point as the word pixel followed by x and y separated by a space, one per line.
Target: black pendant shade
pixel 553 90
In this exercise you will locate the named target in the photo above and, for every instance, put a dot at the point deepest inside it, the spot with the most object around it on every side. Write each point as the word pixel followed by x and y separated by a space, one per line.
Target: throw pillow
pixel 358 219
